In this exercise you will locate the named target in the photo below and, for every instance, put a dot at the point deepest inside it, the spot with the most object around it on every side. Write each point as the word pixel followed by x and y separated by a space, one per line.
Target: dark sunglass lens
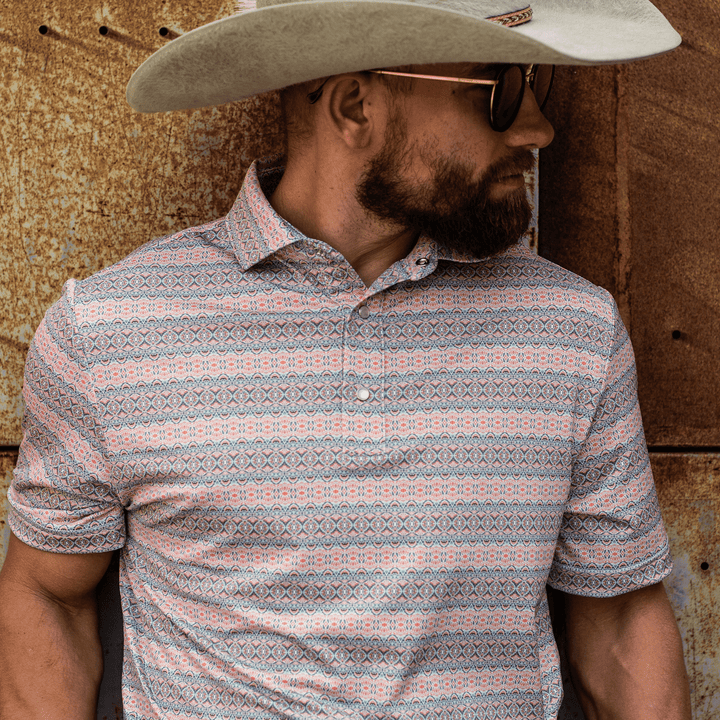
pixel 508 97
pixel 542 83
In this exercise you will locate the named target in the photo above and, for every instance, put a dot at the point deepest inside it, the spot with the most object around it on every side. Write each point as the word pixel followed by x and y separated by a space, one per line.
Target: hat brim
pixel 273 47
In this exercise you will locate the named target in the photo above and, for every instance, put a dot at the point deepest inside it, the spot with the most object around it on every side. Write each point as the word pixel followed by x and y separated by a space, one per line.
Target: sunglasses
pixel 508 89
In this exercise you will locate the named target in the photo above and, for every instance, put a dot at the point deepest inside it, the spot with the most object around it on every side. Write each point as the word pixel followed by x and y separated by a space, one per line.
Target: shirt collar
pixel 257 231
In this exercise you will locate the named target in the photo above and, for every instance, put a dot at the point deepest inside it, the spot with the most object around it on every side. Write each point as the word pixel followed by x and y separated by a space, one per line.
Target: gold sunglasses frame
pixel 529 77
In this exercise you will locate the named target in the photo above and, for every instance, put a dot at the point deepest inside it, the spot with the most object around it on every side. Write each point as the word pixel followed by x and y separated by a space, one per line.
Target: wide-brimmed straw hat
pixel 280 43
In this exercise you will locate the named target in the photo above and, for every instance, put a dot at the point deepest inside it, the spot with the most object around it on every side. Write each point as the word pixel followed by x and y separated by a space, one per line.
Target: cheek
pixel 465 129
pixel 452 128
pixel 473 148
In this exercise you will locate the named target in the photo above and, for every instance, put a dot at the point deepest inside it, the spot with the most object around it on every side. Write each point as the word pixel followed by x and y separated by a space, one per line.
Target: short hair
pixel 297 112
pixel 297 109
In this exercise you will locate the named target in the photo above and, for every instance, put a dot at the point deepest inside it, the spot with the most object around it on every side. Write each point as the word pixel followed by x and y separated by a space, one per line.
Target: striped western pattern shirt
pixel 334 501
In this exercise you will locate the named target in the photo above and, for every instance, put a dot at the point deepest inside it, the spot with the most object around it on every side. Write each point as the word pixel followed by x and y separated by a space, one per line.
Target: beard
pixel 452 208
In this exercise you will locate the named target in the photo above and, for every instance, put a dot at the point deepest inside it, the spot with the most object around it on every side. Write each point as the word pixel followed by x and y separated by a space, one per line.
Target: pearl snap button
pixel 364 312
pixel 363 394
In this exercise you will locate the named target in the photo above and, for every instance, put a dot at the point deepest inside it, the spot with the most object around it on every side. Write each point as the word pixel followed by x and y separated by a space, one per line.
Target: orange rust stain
pixel 84 179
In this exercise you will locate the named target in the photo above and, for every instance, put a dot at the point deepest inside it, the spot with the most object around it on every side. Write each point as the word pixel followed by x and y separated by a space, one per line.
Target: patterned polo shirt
pixel 333 501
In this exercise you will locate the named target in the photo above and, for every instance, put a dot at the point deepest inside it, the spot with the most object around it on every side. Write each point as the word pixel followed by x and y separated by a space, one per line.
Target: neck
pixel 321 204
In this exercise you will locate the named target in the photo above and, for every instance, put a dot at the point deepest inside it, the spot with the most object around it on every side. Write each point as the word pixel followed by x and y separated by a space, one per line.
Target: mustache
pixel 521 161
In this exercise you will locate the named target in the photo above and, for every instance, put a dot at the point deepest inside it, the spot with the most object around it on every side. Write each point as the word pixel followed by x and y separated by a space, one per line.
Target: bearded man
pixel 344 436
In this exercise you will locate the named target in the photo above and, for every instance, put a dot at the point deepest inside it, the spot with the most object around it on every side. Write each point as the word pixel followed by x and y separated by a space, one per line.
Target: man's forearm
pixel 626 657
pixel 50 658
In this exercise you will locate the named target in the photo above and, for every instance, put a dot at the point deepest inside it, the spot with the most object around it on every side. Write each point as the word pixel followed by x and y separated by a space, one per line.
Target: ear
pixel 353 104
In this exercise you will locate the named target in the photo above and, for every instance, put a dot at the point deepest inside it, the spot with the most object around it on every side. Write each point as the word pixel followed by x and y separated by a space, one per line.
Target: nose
pixel 531 128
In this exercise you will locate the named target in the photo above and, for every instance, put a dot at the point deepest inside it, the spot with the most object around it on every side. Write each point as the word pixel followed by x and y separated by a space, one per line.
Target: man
pixel 344 436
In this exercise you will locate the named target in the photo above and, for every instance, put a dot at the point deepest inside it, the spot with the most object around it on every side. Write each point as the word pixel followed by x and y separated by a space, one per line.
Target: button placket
pixel 364 366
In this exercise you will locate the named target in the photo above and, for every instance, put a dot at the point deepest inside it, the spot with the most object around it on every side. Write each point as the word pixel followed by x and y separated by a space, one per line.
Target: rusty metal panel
pixel 671 114
pixel 83 179
pixel 689 491
pixel 629 199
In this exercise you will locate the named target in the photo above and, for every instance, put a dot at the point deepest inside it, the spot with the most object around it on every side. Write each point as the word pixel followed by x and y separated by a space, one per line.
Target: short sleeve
pixel 612 539
pixel 61 498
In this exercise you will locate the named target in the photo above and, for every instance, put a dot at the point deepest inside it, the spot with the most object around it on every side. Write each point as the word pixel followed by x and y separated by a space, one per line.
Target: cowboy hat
pixel 281 42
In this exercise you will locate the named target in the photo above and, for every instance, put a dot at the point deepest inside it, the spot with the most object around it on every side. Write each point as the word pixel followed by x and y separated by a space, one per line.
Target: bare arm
pixel 626 656
pixel 50 655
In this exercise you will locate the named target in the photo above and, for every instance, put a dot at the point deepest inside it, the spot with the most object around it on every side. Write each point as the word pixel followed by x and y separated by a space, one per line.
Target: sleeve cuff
pixel 608 582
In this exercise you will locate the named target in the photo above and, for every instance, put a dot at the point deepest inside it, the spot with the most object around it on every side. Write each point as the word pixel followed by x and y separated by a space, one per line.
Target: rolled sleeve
pixel 612 539
pixel 61 498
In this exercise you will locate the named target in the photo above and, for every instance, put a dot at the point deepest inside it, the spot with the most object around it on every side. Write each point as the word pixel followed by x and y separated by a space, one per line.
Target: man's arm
pixel 50 655
pixel 626 657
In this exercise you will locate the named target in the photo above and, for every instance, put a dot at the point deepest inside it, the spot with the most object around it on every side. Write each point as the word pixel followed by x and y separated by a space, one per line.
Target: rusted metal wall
pixel 84 179
pixel 628 199
pixel 689 491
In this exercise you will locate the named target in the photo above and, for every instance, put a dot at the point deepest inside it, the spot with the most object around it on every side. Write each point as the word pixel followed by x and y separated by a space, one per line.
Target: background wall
pixel 628 198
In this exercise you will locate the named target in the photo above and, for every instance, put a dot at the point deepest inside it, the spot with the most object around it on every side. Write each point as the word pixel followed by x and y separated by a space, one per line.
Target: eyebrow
pixel 482 69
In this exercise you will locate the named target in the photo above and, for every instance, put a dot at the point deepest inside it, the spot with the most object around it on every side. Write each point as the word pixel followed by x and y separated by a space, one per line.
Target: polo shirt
pixel 334 501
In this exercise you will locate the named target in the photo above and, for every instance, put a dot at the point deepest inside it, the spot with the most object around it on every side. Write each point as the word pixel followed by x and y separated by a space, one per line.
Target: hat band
pixel 511 19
